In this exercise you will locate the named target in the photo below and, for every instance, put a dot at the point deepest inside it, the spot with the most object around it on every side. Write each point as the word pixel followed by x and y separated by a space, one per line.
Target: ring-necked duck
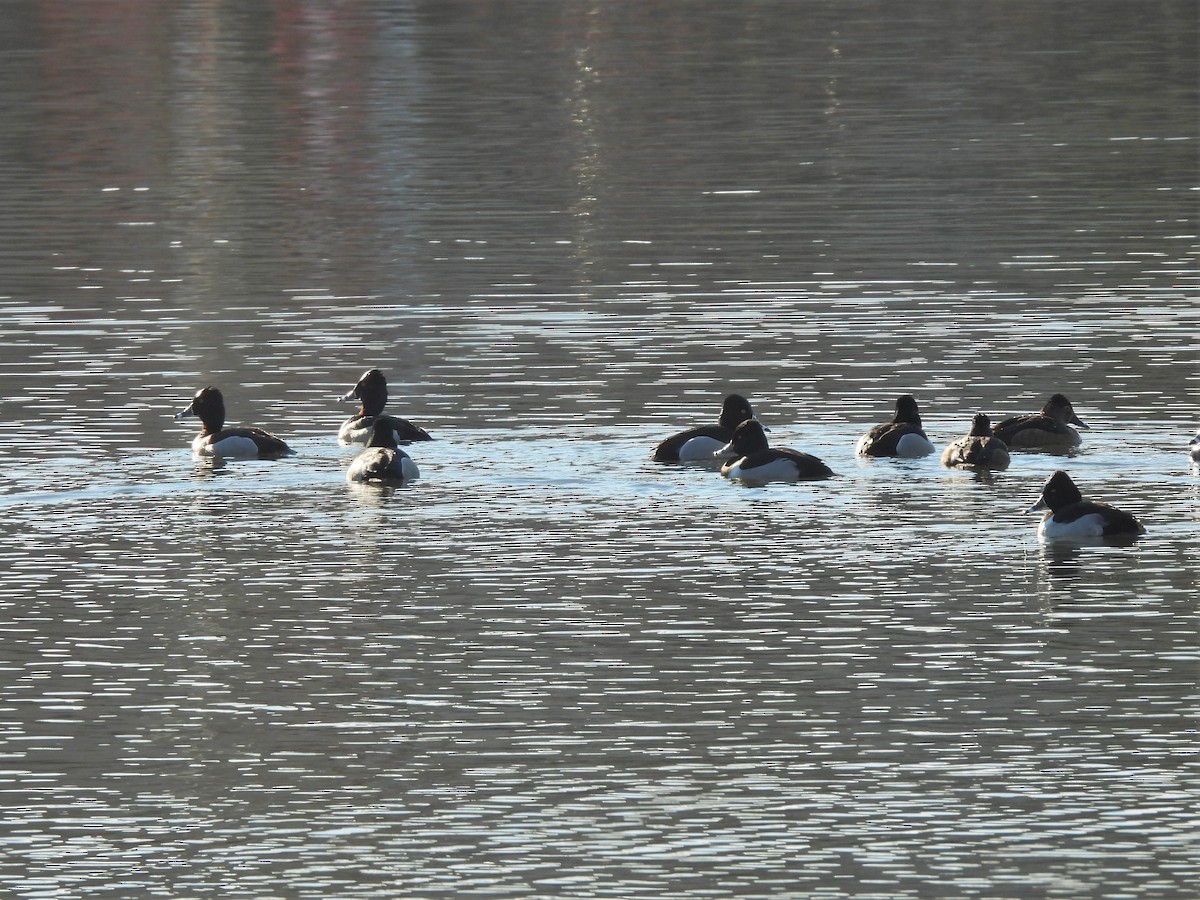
pixel 755 460
pixel 1049 429
pixel 383 461
pixel 701 443
pixel 1194 443
pixel 1070 517
pixel 903 436
pixel 371 392
pixel 215 439
pixel 979 449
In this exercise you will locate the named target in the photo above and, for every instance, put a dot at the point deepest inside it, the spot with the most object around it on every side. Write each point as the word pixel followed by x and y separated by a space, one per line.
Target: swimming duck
pixel 1070 517
pixel 701 443
pixel 1049 429
pixel 371 392
pixel 383 461
pixel 215 439
pixel 1194 443
pixel 755 460
pixel 903 436
pixel 980 449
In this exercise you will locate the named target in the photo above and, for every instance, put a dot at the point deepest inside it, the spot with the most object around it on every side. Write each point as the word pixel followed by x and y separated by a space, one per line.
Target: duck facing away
pixel 979 449
pixel 700 444
pixel 371 392
pixel 383 462
pixel 1070 517
pixel 1049 429
pixel 215 439
pixel 903 436
pixel 755 460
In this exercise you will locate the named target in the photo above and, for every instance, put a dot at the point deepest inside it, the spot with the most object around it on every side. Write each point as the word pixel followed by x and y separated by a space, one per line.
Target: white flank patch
pixel 347 435
pixel 913 445
pixel 234 447
pixel 1089 526
pixel 776 470
pixel 409 466
pixel 700 448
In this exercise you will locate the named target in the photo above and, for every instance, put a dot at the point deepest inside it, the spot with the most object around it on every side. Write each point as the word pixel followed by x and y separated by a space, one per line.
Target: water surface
pixel 550 667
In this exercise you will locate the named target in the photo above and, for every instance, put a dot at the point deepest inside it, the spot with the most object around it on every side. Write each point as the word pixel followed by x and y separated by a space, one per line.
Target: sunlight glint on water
pixel 550 667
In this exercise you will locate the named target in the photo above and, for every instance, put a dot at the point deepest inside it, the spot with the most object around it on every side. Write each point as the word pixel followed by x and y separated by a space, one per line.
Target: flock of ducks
pixel 738 440
pixel 382 461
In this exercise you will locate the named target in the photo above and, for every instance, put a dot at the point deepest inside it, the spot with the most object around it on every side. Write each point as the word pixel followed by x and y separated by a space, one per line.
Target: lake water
pixel 550 667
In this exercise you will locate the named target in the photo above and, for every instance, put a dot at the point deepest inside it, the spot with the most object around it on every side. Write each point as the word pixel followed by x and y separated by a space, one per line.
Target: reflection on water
pixel 549 666
pixel 1062 559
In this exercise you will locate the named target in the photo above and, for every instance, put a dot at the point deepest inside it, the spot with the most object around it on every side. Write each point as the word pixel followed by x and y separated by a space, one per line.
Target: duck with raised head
pixel 903 436
pixel 216 440
pixel 1048 429
pixel 699 444
pixel 371 392
pixel 753 459
pixel 1070 517
pixel 383 462
pixel 978 449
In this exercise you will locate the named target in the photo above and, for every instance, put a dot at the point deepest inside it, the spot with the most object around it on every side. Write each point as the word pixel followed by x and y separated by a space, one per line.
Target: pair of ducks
pixel 741 440
pixel 381 461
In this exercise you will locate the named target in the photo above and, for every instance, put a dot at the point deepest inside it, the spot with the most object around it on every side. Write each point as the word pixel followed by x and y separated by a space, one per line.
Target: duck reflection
pixel 1061 560
pixel 210 467
pixel 985 476
pixel 1068 573
pixel 374 493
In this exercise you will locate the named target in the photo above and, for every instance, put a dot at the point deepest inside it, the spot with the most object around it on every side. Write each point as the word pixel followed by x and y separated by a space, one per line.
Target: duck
pixel 383 462
pixel 979 449
pixel 753 459
pixel 215 439
pixel 371 392
pixel 903 436
pixel 1049 429
pixel 1194 444
pixel 697 444
pixel 1070 517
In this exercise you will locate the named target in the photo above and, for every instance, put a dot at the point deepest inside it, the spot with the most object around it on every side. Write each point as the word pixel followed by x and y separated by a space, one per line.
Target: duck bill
pixel 1078 423
pixel 185 413
pixel 726 452
pixel 1037 507
pixel 351 394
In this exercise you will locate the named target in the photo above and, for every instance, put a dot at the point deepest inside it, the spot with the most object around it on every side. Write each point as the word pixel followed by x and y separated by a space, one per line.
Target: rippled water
pixel 550 667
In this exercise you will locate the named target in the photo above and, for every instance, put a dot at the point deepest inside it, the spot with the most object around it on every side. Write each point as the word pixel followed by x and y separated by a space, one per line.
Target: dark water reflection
pixel 549 667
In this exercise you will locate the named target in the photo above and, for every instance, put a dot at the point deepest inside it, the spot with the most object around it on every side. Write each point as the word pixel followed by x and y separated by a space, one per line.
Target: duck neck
pixel 372 406
pixel 212 424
